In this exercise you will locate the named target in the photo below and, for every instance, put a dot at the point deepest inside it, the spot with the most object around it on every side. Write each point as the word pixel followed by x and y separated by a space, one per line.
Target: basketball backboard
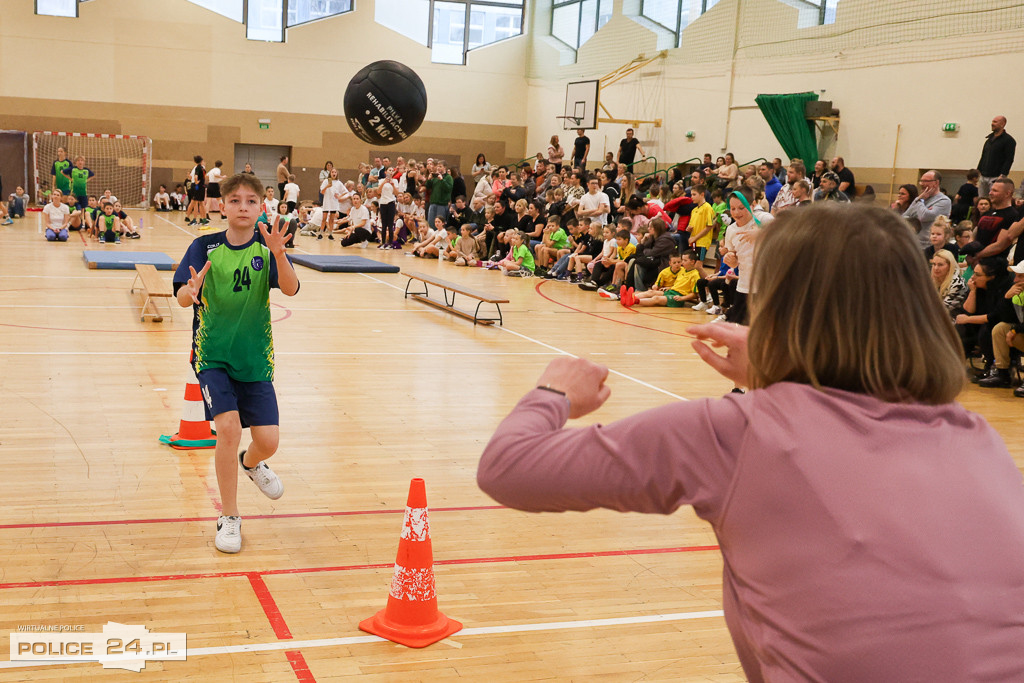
pixel 580 105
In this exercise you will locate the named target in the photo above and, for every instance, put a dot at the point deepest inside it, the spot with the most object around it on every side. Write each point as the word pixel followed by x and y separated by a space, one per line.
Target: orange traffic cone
pixel 411 617
pixel 194 430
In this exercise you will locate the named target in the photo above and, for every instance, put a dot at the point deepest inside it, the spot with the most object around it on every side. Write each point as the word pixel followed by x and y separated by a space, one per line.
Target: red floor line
pixel 613 320
pixel 299 666
pixel 352 567
pixel 287 515
pixel 270 608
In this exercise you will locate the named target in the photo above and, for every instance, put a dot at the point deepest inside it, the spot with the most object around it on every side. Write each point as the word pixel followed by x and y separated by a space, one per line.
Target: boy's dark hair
pixel 233 183
pixel 626 222
pixel 698 189
pixel 554 220
pixel 269 187
pixel 716 193
pixel 622 235
pixel 197 159
pixel 571 222
pixel 973 174
pixel 92 196
pixel 690 254
pixel 462 197
pixel 218 163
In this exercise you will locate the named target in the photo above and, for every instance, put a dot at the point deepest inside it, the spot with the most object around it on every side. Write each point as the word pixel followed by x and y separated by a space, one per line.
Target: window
pixel 302 11
pixel 265 20
pixel 57 8
pixel 451 28
pixel 574 22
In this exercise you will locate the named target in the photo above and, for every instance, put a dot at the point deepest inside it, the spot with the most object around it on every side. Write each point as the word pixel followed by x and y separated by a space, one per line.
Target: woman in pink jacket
pixel 872 529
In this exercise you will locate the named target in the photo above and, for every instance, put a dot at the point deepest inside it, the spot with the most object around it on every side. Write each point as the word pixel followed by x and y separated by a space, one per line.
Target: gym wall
pixel 189 79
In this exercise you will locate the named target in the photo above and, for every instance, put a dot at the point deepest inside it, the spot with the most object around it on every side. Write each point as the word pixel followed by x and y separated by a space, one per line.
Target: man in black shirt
pixel 580 149
pixel 996 155
pixel 847 185
pixel 628 148
pixel 997 229
pixel 611 189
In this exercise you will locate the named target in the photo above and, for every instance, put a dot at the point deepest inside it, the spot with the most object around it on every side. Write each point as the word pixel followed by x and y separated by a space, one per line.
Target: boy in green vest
pixel 226 277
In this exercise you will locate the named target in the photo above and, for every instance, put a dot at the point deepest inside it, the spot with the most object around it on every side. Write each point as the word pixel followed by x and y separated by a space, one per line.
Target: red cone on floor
pixel 411 616
pixel 194 429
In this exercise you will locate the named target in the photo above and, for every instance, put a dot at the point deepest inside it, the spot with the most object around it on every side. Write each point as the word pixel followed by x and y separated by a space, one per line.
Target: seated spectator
pixel 162 200
pixel 179 199
pixel 91 215
pixel 127 226
pixel 772 186
pixel 18 203
pixel 469 249
pixel 652 255
pixel 109 225
pixel 675 286
pixel 715 291
pixel 948 283
pixel 1007 332
pixel 625 254
pixel 519 262
pixel 56 217
pixel 554 244
pixel 904 198
pixel 941 237
pixel 499 180
pixel 603 262
pixel 5 215
pixel 592 245
pixel 828 189
pixel 985 289
pixel 577 241
pixel 983 208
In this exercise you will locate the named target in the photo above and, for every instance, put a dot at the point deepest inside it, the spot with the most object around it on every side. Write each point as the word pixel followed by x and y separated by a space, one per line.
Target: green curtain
pixel 785 116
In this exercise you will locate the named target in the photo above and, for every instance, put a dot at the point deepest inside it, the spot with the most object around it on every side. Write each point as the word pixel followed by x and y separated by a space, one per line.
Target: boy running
pixel 227 277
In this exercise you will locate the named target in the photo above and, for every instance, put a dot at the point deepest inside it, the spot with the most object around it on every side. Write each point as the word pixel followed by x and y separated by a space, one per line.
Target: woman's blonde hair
pixel 841 299
pixel 943 287
pixel 521 205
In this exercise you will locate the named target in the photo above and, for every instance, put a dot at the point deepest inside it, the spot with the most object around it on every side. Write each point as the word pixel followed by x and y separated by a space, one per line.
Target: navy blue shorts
pixel 255 402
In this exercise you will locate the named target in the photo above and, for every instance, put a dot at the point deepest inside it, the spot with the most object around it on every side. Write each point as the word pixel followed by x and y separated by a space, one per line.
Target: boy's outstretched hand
pixel 275 238
pixel 580 380
pixel 195 283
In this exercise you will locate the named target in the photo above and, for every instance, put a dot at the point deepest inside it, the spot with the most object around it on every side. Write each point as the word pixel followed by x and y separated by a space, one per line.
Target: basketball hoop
pixel 575 120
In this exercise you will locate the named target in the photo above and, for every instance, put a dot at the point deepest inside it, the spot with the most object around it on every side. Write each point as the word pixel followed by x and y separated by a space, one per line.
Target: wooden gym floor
pixel 103 523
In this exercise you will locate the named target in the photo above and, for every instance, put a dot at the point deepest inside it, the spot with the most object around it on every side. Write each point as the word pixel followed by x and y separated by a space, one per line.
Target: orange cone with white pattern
pixel 411 617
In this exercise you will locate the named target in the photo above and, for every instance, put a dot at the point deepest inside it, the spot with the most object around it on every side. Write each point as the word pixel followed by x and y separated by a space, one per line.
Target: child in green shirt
pixel 519 262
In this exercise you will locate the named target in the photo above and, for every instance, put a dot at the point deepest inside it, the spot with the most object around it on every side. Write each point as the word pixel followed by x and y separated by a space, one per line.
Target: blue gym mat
pixel 342 263
pixel 126 260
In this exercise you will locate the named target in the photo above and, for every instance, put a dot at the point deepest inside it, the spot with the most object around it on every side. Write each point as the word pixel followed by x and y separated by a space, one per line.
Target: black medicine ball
pixel 385 103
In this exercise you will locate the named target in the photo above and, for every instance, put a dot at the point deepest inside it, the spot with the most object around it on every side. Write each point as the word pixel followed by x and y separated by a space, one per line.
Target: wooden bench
pixel 450 289
pixel 155 287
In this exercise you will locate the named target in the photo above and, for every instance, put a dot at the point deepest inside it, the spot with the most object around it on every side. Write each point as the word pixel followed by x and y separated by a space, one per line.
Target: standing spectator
pixel 594 205
pixel 996 155
pixel 555 153
pixel 771 183
pixel 58 179
pixel 324 175
pixel 847 184
pixel 291 194
pixel 481 169
pixel 439 185
pixel 388 207
pixel 458 182
pixel 580 149
pixel 930 204
pixel 963 202
pixel 628 147
pixel 213 178
pixel 282 175
pixel 56 217
pixel 196 212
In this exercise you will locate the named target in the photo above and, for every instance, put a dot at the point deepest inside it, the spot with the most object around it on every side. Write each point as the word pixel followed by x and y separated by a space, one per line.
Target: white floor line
pixel 614 372
pixel 400 289
pixel 358 640
pixel 290 308
pixel 175 225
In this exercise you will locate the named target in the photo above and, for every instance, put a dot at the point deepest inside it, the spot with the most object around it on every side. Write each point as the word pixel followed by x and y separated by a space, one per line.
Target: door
pixel 264 160
pixel 13 162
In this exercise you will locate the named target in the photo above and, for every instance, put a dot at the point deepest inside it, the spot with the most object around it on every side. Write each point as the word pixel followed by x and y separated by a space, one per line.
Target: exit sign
pixel 264 124
pixel 950 127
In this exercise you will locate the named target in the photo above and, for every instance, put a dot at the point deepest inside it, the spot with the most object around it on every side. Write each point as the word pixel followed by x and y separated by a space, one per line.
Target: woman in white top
pixel 481 169
pixel 55 218
pixel 556 154
pixel 330 188
pixel 387 207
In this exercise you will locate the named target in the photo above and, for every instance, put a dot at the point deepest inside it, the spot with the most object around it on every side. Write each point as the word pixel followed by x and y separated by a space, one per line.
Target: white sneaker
pixel 364 244
pixel 264 478
pixel 714 310
pixel 229 534
pixel 701 306
pixel 719 319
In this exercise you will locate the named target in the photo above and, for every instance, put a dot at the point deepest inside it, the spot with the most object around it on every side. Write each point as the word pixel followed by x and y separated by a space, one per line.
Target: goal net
pixel 122 163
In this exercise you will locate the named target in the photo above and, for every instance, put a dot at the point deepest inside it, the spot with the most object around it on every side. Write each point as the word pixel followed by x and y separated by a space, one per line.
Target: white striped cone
pixel 194 430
